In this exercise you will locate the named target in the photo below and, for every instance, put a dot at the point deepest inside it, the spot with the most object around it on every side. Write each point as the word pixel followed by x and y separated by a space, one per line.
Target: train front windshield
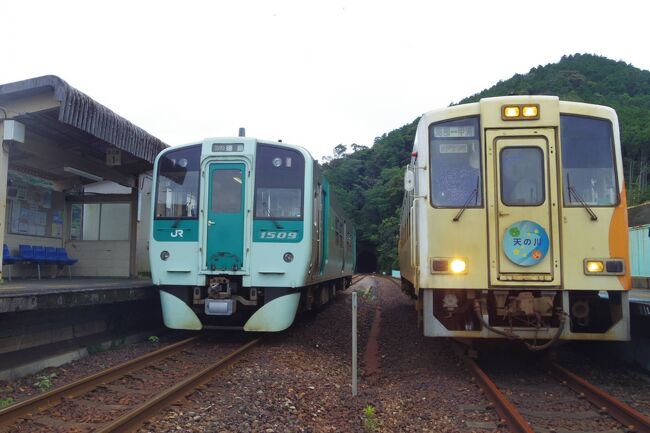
pixel 279 183
pixel 456 179
pixel 588 170
pixel 177 191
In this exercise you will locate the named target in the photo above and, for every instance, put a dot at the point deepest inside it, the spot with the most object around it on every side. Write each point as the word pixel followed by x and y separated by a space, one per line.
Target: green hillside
pixel 368 181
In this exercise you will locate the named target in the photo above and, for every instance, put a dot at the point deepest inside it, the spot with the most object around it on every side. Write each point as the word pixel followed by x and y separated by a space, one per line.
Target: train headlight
pixel 607 266
pixel 458 266
pixel 594 266
pixel 530 111
pixel 520 112
pixel 449 265
pixel 287 257
pixel 164 255
pixel 511 112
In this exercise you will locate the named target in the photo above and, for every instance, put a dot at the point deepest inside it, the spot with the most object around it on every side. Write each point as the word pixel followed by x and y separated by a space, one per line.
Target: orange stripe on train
pixel 619 241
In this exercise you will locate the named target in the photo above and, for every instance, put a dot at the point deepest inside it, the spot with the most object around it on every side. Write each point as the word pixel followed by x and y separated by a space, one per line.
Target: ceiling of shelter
pixel 51 145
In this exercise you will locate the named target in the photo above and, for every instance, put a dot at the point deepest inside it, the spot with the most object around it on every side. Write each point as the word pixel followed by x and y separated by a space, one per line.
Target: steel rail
pixel 134 419
pixel 508 413
pixel 633 420
pixel 52 398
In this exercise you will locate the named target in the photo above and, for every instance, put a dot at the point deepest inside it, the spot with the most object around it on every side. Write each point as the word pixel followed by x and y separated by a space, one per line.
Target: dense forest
pixel 368 181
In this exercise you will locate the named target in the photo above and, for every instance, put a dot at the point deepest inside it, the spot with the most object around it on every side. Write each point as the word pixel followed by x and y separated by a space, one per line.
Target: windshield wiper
pixel 473 194
pixel 584 204
pixel 274 220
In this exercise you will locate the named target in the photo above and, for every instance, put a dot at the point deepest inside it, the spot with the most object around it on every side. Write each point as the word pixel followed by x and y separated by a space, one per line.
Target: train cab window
pixel 522 176
pixel 279 183
pixel 455 149
pixel 588 170
pixel 177 191
pixel 226 191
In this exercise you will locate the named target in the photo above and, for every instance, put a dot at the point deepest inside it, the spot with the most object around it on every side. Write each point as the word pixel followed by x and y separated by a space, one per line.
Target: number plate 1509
pixel 278 235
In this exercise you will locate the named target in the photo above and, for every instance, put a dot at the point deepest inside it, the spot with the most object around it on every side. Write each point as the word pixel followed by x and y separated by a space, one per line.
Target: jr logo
pixel 177 233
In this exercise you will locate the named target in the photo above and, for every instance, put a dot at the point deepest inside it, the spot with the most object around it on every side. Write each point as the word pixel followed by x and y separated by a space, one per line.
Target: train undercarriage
pixel 523 314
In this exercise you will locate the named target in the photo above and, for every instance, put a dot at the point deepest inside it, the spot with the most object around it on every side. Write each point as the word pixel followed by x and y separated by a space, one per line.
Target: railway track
pixel 557 401
pixel 356 278
pixel 121 398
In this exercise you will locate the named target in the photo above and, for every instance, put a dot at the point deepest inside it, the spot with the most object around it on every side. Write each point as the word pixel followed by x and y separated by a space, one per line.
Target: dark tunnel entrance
pixel 366 262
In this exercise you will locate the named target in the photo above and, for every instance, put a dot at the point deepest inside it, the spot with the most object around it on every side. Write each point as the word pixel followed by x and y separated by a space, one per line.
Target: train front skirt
pixel 277 315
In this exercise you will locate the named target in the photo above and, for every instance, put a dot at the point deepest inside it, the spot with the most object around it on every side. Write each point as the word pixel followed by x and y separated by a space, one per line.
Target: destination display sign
pixel 454 131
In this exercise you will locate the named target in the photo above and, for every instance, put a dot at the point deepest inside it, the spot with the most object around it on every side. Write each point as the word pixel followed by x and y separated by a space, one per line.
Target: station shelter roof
pixel 64 126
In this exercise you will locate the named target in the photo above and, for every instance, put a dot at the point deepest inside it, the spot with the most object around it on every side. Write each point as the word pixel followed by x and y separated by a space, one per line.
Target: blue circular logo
pixel 525 243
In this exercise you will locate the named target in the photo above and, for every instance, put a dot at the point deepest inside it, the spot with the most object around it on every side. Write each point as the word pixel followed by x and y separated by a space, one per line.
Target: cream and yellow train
pixel 514 222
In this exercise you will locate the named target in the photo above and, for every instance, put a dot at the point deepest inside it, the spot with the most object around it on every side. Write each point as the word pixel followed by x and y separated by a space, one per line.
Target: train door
pixel 225 217
pixel 523 207
pixel 317 231
pixel 325 229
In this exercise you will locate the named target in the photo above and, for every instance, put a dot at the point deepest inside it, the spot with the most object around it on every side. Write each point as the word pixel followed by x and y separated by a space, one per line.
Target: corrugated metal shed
pixel 639 235
pixel 82 112
pixel 638 215
pixel 640 250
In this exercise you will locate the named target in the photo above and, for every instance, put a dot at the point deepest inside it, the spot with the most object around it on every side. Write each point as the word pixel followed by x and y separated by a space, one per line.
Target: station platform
pixel 30 295
pixel 640 295
pixel 54 321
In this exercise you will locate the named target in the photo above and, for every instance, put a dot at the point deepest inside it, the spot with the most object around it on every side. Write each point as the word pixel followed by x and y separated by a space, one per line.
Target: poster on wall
pixel 36 209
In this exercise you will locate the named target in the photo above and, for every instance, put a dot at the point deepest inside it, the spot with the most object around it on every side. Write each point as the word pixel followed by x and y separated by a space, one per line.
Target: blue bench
pixel 42 255
pixel 8 259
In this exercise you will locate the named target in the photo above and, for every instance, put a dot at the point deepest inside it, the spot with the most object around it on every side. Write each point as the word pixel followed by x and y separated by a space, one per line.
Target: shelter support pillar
pixel 4 167
pixel 133 231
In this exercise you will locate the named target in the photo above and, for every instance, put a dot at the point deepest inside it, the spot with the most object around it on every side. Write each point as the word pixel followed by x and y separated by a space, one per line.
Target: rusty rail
pixel 71 390
pixel 508 413
pixel 131 421
pixel 633 420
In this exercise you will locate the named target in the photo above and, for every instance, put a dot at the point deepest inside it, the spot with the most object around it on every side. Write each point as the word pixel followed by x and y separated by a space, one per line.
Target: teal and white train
pixel 245 234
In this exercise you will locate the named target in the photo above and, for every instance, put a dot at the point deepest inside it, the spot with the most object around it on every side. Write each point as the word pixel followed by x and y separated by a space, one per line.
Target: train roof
pixel 466 109
pixel 235 139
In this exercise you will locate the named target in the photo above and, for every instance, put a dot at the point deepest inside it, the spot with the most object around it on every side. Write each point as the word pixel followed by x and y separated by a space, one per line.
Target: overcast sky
pixel 311 73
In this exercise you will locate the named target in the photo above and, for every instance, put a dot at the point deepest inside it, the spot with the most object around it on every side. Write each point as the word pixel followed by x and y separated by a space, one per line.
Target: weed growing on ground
pixel 369 419
pixel 365 294
pixel 154 339
pixel 45 383
pixel 6 402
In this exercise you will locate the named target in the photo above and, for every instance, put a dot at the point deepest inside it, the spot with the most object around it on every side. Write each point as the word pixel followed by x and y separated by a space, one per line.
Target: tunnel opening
pixel 366 262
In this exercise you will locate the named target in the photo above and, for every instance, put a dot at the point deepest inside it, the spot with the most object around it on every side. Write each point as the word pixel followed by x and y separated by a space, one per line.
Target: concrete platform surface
pixel 26 295
pixel 64 285
pixel 640 295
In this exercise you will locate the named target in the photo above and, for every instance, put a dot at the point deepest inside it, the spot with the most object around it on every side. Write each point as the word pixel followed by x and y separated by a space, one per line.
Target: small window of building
pixel 100 222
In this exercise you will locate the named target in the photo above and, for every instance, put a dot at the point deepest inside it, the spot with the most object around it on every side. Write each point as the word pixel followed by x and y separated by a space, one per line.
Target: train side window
pixel 588 169
pixel 177 190
pixel 522 176
pixel 455 149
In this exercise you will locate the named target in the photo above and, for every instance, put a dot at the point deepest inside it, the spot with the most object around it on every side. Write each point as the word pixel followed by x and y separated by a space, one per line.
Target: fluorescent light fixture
pixel 83 174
